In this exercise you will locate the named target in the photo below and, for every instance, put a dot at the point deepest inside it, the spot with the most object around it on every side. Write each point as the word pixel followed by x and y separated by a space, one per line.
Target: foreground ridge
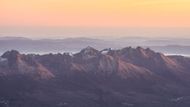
pixel 128 77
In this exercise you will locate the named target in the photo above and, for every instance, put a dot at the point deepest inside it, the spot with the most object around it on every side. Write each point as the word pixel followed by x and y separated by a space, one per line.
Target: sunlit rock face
pixel 128 77
pixel 17 63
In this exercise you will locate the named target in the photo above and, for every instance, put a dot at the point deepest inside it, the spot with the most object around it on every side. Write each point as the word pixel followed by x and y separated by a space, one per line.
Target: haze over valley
pixel 169 46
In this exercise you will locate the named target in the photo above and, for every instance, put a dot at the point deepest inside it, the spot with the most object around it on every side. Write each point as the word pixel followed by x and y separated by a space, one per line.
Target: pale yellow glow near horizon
pixel 95 13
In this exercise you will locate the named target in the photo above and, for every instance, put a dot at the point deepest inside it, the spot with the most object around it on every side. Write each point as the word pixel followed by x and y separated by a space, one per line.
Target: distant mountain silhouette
pixel 128 77
pixel 41 46
pixel 50 45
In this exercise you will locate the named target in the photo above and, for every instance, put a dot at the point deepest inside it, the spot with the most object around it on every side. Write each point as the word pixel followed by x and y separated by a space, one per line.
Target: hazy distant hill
pixel 173 49
pixel 169 46
pixel 128 77
pixel 50 45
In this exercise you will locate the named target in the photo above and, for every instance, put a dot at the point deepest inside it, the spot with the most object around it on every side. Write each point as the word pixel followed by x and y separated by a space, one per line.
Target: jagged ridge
pixel 96 78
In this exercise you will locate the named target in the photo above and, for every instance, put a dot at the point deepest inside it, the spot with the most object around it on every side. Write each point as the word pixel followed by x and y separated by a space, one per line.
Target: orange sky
pixel 95 13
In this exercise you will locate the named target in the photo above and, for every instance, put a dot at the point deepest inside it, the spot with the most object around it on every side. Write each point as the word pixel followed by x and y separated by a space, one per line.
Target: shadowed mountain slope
pixel 128 77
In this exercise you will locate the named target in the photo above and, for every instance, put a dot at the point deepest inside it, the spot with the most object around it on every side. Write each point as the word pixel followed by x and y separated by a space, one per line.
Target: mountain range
pixel 127 77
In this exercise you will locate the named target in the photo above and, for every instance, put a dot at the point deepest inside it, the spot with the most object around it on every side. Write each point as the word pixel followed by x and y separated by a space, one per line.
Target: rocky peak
pixel 143 52
pixel 127 48
pixel 20 64
pixel 12 58
pixel 12 53
pixel 89 50
pixel 139 51
pixel 87 53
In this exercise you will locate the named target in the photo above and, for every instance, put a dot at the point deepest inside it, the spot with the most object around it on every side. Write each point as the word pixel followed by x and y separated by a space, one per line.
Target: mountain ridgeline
pixel 128 77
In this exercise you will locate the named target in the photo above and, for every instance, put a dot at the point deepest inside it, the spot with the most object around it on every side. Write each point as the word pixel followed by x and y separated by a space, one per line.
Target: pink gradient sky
pixel 95 13
pixel 95 18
